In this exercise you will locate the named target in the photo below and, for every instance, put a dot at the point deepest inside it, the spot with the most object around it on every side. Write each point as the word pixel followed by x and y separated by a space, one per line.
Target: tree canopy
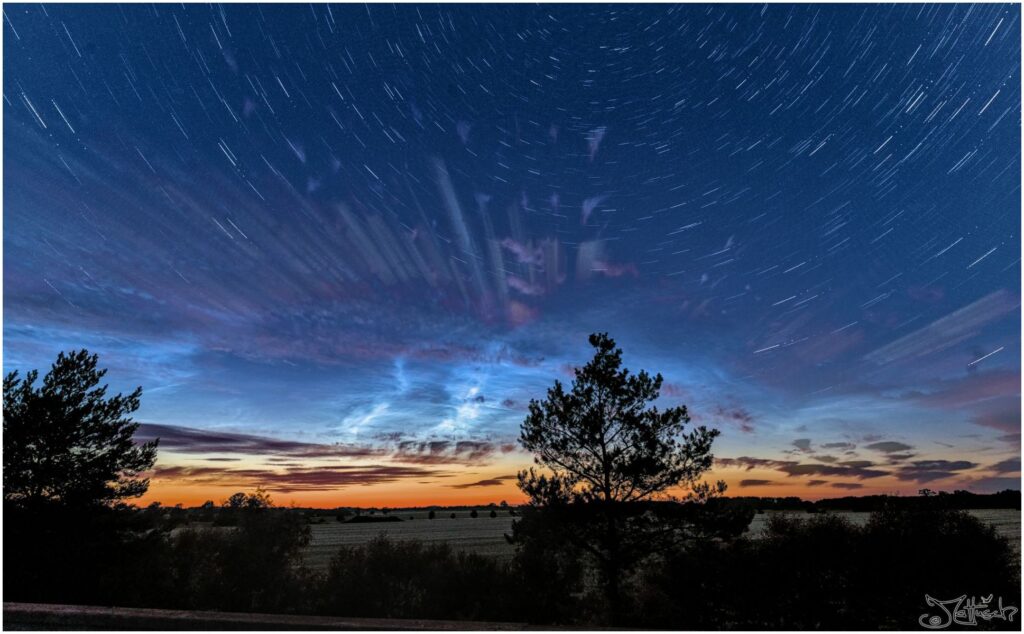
pixel 603 441
pixel 66 442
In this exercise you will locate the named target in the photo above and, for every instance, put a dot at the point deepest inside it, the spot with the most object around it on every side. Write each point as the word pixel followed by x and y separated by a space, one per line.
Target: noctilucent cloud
pixel 342 247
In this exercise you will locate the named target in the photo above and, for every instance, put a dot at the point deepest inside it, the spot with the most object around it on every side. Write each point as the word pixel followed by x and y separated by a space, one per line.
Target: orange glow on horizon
pixel 404 494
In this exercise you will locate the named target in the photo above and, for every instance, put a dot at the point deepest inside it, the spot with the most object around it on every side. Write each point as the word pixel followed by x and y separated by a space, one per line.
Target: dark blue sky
pixel 389 226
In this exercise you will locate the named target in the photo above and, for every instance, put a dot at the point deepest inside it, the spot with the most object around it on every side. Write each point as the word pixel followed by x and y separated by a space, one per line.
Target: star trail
pixel 342 246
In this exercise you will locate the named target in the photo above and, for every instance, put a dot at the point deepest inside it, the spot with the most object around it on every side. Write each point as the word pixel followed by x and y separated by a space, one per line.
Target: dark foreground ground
pixel 813 572
pixel 42 616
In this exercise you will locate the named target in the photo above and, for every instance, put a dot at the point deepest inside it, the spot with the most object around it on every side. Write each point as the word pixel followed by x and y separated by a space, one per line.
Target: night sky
pixel 341 247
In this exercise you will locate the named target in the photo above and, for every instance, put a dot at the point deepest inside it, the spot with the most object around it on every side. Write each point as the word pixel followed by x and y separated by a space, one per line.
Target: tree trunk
pixel 613 594
pixel 613 569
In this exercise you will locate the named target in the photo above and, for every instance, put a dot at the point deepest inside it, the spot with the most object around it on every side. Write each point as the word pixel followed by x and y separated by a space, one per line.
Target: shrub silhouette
pixel 548 568
pixel 251 567
pixel 231 510
pixel 928 549
pixel 207 511
pixel 474 514
pixel 408 579
pixel 822 572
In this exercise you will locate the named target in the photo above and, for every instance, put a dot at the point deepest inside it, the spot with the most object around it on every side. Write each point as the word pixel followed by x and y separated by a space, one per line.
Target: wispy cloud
pixel 888 446
pixel 930 470
pixel 489 482
pixel 189 440
pixel 750 463
pixel 753 482
pixel 832 471
pixel 736 415
pixel 1010 465
pixel 293 479
pixel 792 468
pixel 847 485
pixel 221 446
pixel 446 451
pixel 802 444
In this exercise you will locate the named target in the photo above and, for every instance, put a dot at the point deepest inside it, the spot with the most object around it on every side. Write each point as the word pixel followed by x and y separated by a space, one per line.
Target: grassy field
pixel 486 535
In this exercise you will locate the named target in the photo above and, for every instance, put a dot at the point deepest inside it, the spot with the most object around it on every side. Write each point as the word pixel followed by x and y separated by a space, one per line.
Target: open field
pixel 485 535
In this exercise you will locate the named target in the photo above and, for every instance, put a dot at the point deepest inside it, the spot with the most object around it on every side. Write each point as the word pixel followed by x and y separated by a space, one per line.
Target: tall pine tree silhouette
pixel 606 453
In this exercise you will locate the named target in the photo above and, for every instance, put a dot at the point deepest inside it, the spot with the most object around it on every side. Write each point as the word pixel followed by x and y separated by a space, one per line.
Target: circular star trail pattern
pixel 365 223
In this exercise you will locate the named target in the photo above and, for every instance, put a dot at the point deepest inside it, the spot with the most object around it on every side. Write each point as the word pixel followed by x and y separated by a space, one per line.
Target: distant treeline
pixel 960 500
pixel 957 500
pixel 228 513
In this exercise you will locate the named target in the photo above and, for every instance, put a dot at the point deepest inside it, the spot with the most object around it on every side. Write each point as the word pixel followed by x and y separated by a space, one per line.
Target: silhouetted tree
pixel 259 499
pixel 69 459
pixel 608 453
pixel 494 513
pixel 235 501
pixel 431 515
pixel 66 442
pixel 232 508
pixel 474 514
